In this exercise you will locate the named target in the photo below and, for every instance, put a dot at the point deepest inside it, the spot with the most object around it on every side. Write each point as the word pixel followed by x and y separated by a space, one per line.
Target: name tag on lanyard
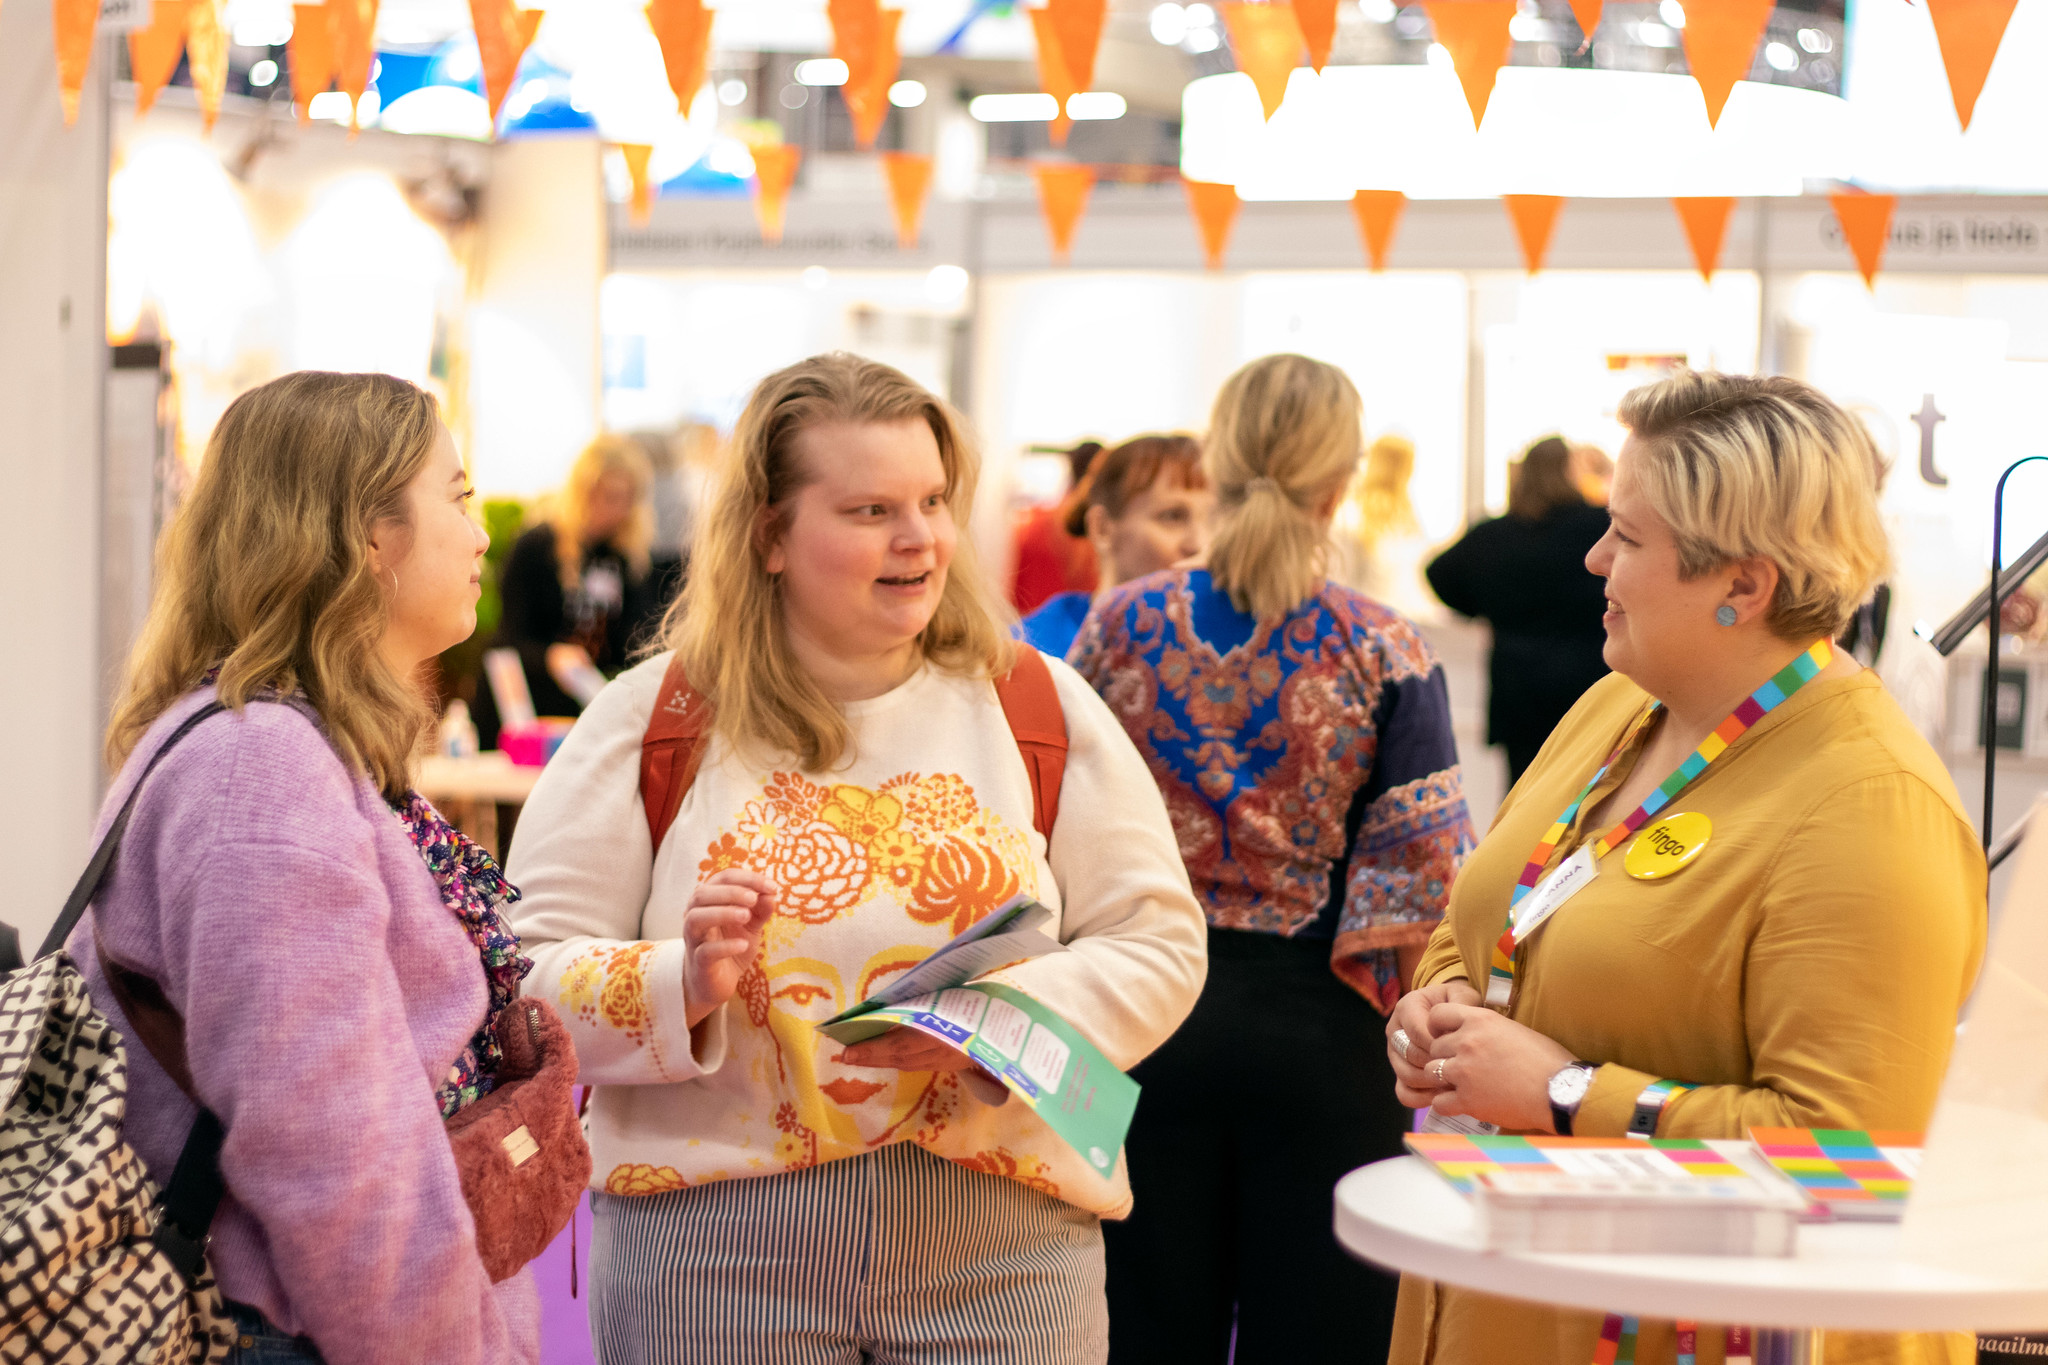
pixel 1569 878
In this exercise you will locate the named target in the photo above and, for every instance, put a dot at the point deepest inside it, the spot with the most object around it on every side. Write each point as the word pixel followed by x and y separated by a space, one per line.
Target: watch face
pixel 1569 1086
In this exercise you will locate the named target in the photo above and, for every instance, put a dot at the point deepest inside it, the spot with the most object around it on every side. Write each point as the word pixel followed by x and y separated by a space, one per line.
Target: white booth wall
pixel 53 360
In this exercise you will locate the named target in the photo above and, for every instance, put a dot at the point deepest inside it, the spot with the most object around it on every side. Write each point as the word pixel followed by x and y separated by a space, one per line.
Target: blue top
pixel 1306 760
pixel 1051 629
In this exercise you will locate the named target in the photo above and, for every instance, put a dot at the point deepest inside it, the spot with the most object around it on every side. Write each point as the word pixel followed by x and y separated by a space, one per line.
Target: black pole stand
pixel 1990 717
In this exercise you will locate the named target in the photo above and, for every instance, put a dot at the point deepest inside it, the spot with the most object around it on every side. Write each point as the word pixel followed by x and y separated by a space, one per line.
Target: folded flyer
pixel 1037 1055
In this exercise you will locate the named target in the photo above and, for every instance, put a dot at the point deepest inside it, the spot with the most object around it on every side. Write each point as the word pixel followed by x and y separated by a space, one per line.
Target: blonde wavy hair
pixel 265 573
pixel 1285 436
pixel 570 513
pixel 727 625
pixel 1746 466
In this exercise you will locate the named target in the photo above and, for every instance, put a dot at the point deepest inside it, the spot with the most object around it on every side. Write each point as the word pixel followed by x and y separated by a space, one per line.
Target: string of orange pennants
pixel 331 46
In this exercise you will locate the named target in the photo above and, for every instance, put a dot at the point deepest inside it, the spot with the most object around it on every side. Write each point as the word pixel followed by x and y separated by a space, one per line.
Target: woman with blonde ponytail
pixel 1301 735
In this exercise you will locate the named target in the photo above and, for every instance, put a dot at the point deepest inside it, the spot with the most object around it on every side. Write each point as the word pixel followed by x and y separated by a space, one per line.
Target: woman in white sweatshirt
pixel 853 796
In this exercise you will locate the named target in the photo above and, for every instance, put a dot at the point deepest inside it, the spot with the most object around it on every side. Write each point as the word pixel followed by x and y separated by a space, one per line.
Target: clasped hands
pixel 721 938
pixel 1465 1059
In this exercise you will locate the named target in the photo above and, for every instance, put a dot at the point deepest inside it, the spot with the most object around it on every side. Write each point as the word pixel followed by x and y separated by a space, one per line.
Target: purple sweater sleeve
pixel 315 989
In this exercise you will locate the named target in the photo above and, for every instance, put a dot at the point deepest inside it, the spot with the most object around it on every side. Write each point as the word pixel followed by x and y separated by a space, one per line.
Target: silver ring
pixel 1437 1068
pixel 1401 1043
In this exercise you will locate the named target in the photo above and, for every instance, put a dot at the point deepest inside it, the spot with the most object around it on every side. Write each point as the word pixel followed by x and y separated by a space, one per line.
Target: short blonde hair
pixel 1748 466
pixel 727 625
pixel 265 572
pixel 608 454
pixel 1286 432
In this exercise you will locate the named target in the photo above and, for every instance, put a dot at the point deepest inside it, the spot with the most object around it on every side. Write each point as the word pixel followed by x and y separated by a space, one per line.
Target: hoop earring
pixel 394 587
pixel 1725 614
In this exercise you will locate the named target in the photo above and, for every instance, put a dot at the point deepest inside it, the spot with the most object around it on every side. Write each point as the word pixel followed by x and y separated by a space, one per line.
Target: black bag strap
pixel 110 845
pixel 192 1197
pixel 194 1193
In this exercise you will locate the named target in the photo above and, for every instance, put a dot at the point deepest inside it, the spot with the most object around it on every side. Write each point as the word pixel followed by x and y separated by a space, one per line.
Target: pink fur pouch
pixel 520 1149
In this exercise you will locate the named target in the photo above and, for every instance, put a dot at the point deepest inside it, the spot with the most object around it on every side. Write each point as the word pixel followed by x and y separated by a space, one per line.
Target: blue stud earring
pixel 1725 614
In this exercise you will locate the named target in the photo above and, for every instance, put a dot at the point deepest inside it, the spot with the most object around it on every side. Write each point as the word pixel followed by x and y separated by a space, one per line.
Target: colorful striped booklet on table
pixel 1847 1175
pixel 1670 1196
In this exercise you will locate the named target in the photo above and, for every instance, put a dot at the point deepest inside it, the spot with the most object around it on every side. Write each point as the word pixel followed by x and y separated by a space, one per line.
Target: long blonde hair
pixel 727 625
pixel 1285 435
pixel 265 573
pixel 608 454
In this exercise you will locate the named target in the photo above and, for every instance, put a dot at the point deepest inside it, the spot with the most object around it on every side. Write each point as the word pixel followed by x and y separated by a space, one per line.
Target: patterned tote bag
pixel 96 1266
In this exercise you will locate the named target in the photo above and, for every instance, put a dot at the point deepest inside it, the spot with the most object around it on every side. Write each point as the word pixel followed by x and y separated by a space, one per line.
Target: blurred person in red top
pixel 1048 560
pixel 1144 507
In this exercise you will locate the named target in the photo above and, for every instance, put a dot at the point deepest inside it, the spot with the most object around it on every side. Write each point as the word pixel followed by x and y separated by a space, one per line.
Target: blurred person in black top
pixel 578 588
pixel 1525 574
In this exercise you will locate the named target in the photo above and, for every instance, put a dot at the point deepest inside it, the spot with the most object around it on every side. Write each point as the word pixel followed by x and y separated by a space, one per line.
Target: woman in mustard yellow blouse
pixel 1744 892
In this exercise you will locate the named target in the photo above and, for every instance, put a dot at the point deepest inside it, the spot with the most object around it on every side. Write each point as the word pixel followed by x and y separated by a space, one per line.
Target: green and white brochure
pixel 1037 1055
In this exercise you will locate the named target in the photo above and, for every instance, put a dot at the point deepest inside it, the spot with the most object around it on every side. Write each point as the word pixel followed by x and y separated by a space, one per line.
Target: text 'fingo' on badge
pixel 1667 846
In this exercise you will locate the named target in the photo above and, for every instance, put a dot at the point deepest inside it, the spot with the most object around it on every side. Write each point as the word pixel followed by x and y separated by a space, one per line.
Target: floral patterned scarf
pixel 474 890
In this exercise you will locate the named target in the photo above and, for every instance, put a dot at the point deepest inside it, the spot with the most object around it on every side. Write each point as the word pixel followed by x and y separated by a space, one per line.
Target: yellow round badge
pixel 1666 845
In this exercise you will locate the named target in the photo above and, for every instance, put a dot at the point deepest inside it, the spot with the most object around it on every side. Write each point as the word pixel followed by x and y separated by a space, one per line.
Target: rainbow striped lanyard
pixel 1500 984
pixel 1617 1344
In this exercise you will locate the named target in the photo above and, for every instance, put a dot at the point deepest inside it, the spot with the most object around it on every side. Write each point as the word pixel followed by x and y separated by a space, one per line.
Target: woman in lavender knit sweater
pixel 272 881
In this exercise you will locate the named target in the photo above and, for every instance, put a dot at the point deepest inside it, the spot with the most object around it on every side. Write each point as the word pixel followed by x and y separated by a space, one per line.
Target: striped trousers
pixel 896 1257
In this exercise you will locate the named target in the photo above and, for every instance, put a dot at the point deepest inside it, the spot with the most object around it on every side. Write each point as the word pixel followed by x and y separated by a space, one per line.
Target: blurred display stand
pixel 469 790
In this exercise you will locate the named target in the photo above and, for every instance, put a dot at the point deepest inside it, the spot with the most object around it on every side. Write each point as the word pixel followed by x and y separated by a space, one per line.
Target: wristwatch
pixel 1567 1089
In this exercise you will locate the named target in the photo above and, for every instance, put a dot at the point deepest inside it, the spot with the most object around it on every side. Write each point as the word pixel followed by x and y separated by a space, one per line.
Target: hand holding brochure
pixel 1037 1055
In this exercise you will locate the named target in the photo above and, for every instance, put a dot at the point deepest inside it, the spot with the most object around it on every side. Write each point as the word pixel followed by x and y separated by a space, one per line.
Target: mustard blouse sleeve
pixel 1441 960
pixel 1871 930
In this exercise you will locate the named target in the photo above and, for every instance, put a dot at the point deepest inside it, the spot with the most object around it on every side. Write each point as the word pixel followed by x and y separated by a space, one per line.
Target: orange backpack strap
pixel 671 749
pixel 1031 703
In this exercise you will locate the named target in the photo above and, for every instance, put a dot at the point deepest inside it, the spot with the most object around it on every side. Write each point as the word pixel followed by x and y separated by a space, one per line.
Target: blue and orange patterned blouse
pixel 1306 760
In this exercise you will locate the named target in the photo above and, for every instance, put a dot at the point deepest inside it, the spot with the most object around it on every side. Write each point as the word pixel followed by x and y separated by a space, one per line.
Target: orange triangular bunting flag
pixel 206 55
pixel 502 35
pixel 1866 221
pixel 1706 223
pixel 1318 21
pixel 1053 76
pixel 641 206
pixel 1266 40
pixel 868 100
pixel 153 52
pixel 355 27
pixel 1078 25
pixel 1534 216
pixel 312 55
pixel 854 23
pixel 1215 208
pixel 774 172
pixel 74 21
pixel 683 28
pixel 1062 194
pixel 1587 12
pixel 1377 212
pixel 910 179
pixel 1969 32
pixel 1720 44
pixel 1475 32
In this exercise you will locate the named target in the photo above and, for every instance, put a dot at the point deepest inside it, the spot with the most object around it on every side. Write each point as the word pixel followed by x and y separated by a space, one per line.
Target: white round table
pixel 1402 1215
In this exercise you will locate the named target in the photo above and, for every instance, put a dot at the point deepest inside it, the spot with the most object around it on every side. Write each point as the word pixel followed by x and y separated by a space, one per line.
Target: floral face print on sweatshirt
pixel 908 865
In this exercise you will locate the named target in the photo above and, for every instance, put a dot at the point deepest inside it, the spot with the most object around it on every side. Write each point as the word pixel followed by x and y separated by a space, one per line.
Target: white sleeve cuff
pixel 680 1053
